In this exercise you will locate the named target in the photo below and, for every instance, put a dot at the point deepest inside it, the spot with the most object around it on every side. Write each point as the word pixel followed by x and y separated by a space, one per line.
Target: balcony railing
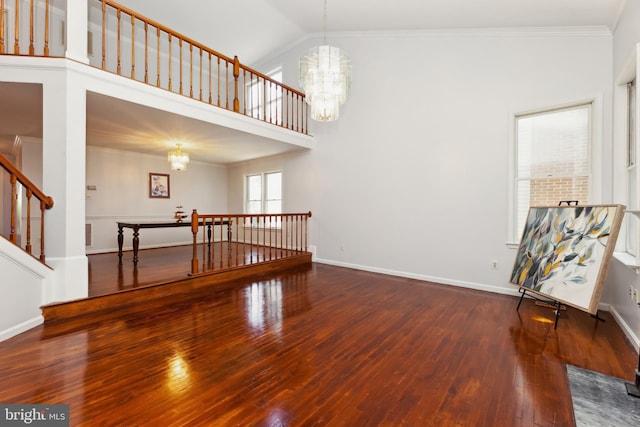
pixel 16 178
pixel 239 240
pixel 136 47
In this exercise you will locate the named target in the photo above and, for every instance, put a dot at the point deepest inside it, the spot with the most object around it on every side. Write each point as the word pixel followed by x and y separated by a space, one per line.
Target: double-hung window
pixel 553 160
pixel 265 97
pixel 264 196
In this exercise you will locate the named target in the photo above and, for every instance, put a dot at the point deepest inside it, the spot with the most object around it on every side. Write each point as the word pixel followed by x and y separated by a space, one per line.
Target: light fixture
pixel 325 76
pixel 178 159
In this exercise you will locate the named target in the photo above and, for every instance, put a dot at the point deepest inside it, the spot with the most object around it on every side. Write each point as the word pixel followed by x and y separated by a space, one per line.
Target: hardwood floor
pixel 320 345
pixel 162 265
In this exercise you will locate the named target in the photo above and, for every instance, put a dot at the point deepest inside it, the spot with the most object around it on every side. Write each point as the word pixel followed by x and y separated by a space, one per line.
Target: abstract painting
pixel 565 251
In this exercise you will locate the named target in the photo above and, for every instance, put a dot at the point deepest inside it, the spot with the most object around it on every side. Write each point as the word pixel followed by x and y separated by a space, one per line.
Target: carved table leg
pixel 136 244
pixel 120 241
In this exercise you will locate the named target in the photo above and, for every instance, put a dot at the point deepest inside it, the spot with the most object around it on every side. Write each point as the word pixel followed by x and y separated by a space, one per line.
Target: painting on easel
pixel 565 251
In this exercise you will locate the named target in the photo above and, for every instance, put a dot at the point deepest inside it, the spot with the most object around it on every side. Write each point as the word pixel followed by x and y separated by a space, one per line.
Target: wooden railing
pixel 236 240
pixel 139 48
pixel 37 25
pixel 134 46
pixel 46 202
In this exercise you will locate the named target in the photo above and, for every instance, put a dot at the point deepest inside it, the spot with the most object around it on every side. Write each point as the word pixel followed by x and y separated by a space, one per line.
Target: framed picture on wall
pixel 159 187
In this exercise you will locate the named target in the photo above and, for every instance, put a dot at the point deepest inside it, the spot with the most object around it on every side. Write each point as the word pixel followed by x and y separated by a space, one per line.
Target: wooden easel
pixel 550 303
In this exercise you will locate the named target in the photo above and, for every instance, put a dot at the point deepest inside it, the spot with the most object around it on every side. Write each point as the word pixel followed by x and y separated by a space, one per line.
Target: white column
pixel 64 148
pixel 76 30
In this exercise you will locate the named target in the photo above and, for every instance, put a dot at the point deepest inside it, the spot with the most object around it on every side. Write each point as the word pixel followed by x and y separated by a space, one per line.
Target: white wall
pixel 122 194
pixel 413 178
pixel 626 38
pixel 22 288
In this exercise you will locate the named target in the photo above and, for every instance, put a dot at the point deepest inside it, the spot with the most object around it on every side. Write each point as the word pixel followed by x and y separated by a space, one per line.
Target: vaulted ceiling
pixel 251 29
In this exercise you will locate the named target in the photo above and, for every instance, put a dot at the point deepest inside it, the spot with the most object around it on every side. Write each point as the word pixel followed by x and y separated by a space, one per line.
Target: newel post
pixel 194 231
pixel 236 75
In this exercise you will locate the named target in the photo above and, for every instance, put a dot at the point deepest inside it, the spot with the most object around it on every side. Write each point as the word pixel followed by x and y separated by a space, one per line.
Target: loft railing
pixel 236 240
pixel 46 202
pixel 126 43
pixel 30 22
pixel 139 48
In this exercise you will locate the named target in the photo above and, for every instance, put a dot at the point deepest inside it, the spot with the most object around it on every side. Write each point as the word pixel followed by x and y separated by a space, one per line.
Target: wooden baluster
pixel 170 61
pixel 43 206
pixel 28 246
pixel 158 60
pixel 297 114
pixel 194 232
pixel 191 70
pixel 279 113
pixel 306 247
pixel 251 237
pixel 285 105
pixel 236 74
pixel 2 24
pixel 46 27
pixel 210 80
pixel 298 230
pixel 146 52
pixel 180 62
pixel 12 232
pixel 31 29
pixel 133 46
pixel 118 41
pixel 104 35
pixel 16 44
pixel 218 80
pixel 213 220
pixel 244 91
pixel 226 84
pixel 200 97
pixel 264 99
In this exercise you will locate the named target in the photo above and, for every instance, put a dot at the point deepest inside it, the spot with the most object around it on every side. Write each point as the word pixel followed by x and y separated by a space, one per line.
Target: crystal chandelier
pixel 178 159
pixel 325 76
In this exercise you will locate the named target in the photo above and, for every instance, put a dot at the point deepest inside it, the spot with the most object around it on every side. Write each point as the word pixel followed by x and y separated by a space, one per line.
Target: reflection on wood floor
pixel 315 346
pixel 161 265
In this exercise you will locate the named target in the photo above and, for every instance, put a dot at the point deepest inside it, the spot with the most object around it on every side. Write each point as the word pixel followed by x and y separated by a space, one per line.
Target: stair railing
pixel 45 202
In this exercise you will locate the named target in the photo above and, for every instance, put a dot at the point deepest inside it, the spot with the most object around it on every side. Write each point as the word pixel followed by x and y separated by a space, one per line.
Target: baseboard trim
pixel 20 328
pixel 426 278
pixel 631 336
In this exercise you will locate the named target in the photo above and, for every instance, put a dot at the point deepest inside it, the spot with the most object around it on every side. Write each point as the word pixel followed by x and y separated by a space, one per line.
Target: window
pixel 552 159
pixel 631 243
pixel 265 98
pixel 263 194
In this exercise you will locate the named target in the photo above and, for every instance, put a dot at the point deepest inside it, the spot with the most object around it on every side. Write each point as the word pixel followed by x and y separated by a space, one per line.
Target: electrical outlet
pixel 630 291
pixel 636 297
pixel 494 265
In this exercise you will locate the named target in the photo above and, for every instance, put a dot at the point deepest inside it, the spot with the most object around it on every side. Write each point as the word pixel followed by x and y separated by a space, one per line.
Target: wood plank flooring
pixel 321 346
pixel 167 264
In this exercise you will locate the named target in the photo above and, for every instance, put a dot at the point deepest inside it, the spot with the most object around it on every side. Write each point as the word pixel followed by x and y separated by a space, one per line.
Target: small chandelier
pixel 178 159
pixel 325 76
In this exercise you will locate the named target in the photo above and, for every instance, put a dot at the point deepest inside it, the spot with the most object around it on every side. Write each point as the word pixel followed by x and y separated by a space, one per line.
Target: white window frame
pixel 263 200
pixel 595 157
pixel 256 98
pixel 631 239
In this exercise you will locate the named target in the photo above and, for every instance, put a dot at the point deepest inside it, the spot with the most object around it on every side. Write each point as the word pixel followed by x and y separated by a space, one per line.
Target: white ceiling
pixel 253 28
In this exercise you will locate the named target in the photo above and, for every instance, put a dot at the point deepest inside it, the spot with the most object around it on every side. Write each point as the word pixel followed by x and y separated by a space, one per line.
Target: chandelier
pixel 325 76
pixel 178 159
